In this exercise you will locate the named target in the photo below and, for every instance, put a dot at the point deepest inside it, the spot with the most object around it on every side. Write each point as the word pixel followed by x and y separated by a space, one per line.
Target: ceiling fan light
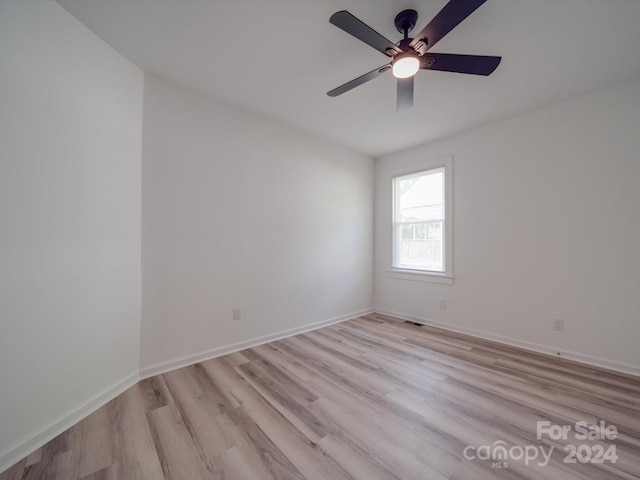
pixel 405 66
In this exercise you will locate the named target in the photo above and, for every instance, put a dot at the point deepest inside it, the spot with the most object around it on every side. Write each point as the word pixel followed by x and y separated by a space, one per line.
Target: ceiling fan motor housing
pixel 405 21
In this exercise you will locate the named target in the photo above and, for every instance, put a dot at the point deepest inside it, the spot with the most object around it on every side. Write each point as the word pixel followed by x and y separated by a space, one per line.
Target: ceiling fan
pixel 411 54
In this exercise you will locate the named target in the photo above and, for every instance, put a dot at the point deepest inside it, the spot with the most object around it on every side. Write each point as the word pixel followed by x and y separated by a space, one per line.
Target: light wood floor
pixel 370 398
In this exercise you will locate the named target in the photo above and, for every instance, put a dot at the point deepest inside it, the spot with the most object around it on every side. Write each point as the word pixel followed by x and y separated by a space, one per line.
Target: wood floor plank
pixel 236 358
pixel 179 454
pixel 295 409
pixel 373 398
pixel 305 454
pixel 390 443
pixel 353 372
pixel 58 467
pixel 16 471
pixel 273 459
pixel 205 426
pixel 154 392
pixel 35 457
pixel 194 382
pixel 112 472
pixel 255 457
pixel 366 420
pixel 92 443
pixel 134 450
pixel 233 464
pixel 360 463
pixel 290 365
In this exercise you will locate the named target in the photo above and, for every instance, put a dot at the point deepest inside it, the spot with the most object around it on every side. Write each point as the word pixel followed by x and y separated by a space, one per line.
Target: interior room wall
pixel 546 226
pixel 70 165
pixel 243 212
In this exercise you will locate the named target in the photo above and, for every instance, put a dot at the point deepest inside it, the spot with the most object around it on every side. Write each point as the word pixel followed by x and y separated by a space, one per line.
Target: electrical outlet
pixel 237 314
pixel 558 325
pixel 443 304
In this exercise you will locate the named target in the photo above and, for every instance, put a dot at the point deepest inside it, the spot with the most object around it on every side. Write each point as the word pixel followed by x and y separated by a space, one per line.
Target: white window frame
pixel 446 277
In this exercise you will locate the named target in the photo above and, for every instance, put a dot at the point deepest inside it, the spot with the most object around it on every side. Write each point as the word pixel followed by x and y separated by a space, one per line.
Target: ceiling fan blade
pixel 405 94
pixel 358 81
pixel 350 24
pixel 446 20
pixel 451 62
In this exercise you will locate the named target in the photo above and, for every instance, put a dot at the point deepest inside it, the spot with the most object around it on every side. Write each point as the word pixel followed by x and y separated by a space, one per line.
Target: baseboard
pixel 227 349
pixel 553 351
pixel 30 443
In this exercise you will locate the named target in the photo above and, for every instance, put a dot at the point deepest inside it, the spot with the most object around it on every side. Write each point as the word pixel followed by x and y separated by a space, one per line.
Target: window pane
pixel 434 230
pixel 406 232
pixel 422 253
pixel 420 197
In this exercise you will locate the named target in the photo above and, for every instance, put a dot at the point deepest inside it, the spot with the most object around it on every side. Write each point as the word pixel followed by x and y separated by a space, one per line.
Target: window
pixel 421 222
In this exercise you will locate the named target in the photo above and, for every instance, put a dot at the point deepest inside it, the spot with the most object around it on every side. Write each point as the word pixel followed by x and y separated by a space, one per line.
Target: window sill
pixel 417 276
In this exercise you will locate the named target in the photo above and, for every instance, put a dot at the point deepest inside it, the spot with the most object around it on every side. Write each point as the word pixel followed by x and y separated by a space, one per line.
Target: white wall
pixel 70 164
pixel 546 225
pixel 240 211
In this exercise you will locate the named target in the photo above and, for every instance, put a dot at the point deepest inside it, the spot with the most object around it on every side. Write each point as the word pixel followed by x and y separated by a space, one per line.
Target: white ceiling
pixel 280 57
